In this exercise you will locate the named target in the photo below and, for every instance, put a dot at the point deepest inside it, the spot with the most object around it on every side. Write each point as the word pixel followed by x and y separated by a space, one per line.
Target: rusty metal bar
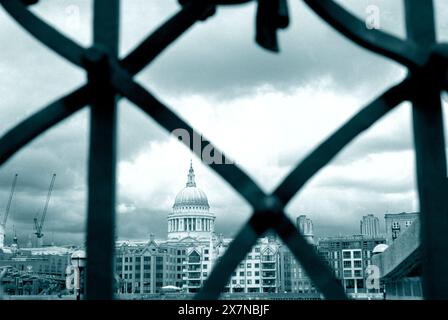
pixel 102 156
pixel 430 157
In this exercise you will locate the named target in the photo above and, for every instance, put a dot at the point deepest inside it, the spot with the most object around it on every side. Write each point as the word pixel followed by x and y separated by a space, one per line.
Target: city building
pixel 292 277
pixel 396 223
pixel 350 256
pixel 186 258
pixel 33 271
pixel 370 226
pixel 305 225
pixel 400 265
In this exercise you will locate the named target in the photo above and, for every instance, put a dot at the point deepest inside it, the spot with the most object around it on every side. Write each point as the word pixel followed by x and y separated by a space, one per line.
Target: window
pixel 242 274
pixel 249 273
pixel 249 281
pixel 395 225
pixel 204 266
pixel 357 254
pixel 241 281
pixel 206 251
pixel 257 265
pixel 204 274
pixel 249 265
pixel 347 264
pixel 233 281
pixel 241 265
pixel 257 273
pixel 257 281
pixel 358 264
pixel 346 255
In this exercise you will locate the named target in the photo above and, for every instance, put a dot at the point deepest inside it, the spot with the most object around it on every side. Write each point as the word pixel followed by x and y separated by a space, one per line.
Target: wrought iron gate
pixel 111 77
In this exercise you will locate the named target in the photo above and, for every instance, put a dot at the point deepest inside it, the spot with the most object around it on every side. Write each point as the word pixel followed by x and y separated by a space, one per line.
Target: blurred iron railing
pixel 110 78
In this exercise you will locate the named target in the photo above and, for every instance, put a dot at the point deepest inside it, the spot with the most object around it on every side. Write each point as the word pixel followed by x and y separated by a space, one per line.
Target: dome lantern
pixel 191 182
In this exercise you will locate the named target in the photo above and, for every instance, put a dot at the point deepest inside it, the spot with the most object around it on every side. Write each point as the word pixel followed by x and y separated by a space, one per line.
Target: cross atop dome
pixel 191 182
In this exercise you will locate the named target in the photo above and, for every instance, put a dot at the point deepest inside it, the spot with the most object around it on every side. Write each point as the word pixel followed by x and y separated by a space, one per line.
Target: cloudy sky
pixel 267 111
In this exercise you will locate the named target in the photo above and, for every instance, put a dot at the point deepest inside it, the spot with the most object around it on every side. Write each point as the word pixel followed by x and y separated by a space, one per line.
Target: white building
pixel 305 225
pixel 370 226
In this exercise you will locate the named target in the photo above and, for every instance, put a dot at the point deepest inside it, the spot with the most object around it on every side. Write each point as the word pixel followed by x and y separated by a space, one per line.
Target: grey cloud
pixel 219 58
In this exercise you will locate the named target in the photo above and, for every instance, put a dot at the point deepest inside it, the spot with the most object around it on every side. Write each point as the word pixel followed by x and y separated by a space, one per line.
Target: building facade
pixel 305 225
pixel 192 248
pixel 370 226
pixel 397 223
pixel 34 271
pixel 350 256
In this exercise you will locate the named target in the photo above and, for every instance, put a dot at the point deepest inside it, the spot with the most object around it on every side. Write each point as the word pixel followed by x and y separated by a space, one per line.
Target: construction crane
pixel 8 206
pixel 5 216
pixel 39 225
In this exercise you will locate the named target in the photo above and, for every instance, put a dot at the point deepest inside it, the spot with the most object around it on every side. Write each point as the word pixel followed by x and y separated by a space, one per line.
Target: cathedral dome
pixel 191 217
pixel 191 196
